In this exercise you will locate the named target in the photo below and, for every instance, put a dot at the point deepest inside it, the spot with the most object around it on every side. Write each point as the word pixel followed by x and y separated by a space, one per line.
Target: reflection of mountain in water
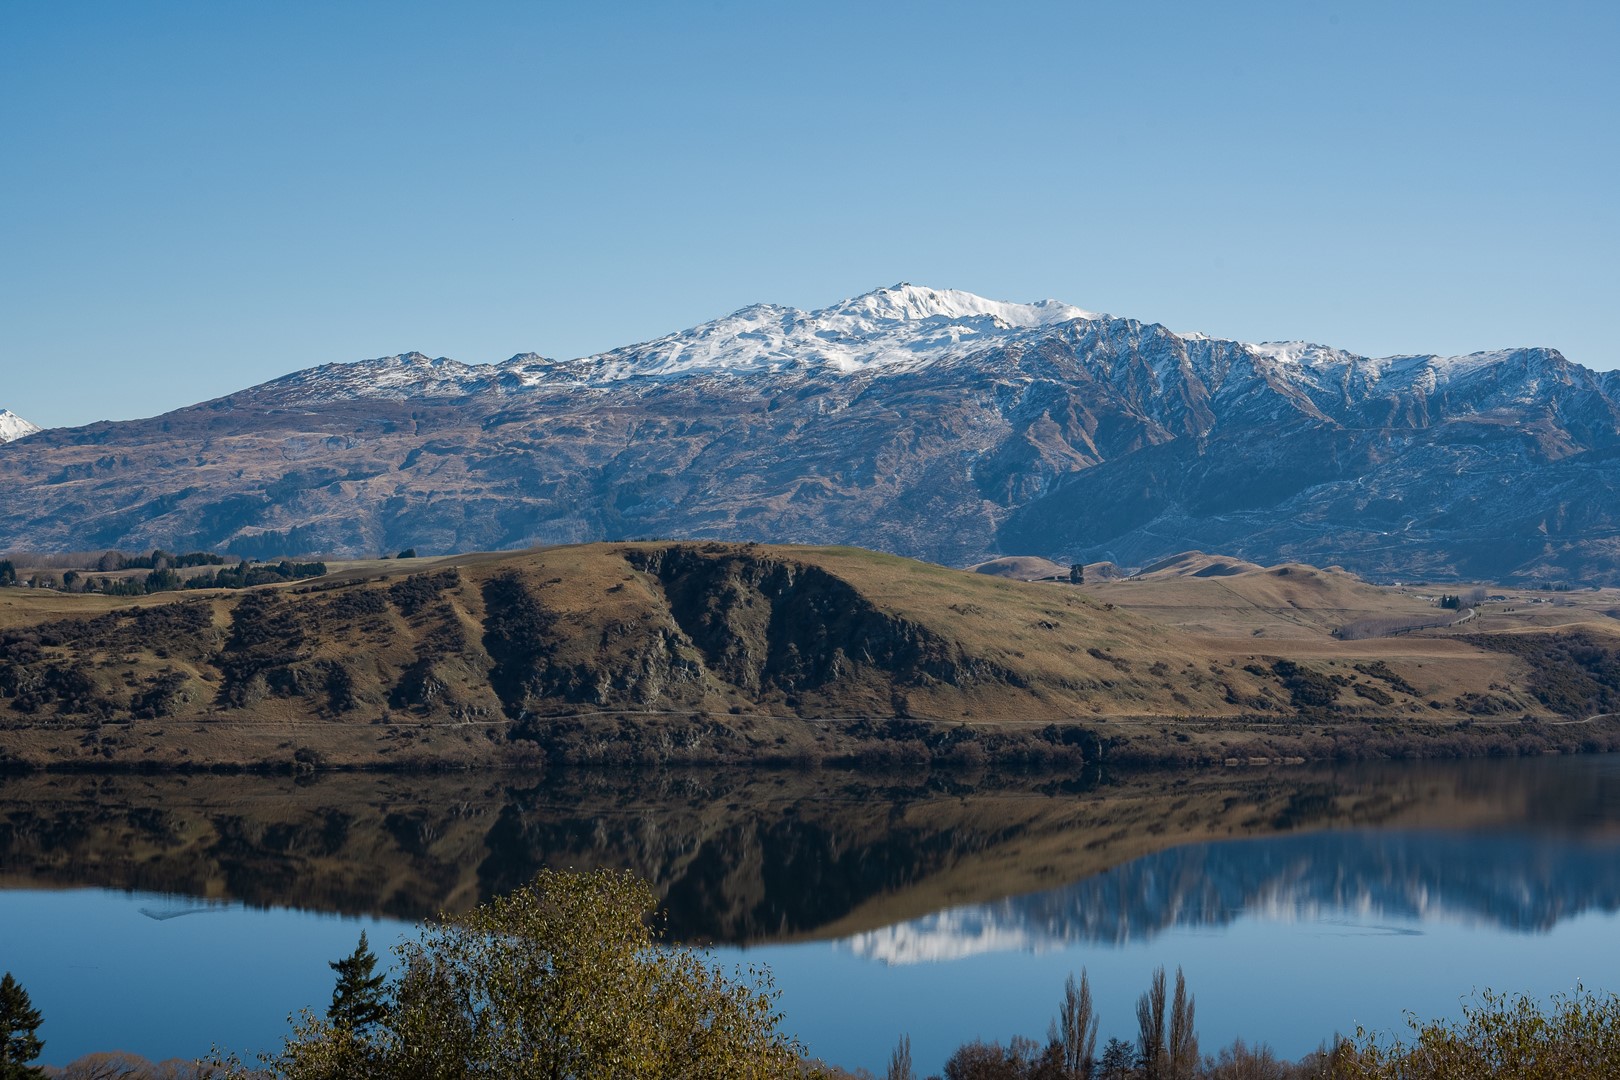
pixel 740 856
pixel 1517 881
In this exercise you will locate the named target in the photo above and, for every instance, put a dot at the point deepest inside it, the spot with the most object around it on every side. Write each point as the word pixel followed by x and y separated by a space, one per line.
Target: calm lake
pixel 163 915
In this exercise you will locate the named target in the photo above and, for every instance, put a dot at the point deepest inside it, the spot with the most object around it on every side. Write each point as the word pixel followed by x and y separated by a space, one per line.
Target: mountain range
pixel 930 423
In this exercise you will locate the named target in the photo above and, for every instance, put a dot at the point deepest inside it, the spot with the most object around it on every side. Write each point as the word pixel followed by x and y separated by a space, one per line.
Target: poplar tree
pixel 900 1061
pixel 1075 1032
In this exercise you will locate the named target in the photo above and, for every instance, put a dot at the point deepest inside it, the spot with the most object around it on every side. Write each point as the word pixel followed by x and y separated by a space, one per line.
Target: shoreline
pixel 643 740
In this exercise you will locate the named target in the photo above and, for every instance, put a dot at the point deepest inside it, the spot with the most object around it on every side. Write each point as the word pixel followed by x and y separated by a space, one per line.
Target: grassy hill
pixel 711 651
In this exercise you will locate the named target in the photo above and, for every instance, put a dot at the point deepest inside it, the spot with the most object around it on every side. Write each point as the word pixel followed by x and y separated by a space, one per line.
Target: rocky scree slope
pixel 930 423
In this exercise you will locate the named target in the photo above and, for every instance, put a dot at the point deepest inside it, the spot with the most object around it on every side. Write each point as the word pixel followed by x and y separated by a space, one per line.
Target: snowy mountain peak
pixel 906 302
pixel 1322 365
pixel 901 328
pixel 1297 352
pixel 14 427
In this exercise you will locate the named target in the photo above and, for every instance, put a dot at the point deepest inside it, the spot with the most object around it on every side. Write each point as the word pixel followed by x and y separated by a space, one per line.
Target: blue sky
pixel 195 197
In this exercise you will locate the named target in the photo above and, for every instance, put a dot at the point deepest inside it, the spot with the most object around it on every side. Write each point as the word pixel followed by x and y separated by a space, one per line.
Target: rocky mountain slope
pixel 14 427
pixel 930 423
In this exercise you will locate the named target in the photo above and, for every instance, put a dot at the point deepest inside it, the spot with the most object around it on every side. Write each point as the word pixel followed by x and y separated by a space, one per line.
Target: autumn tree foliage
pixel 563 979
pixel 1575 1036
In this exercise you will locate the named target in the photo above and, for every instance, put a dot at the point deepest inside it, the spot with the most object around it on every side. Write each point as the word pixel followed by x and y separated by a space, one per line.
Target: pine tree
pixel 357 999
pixel 19 1021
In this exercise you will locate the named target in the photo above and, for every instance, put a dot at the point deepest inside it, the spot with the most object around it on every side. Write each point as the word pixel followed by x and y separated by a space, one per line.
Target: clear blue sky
pixel 195 197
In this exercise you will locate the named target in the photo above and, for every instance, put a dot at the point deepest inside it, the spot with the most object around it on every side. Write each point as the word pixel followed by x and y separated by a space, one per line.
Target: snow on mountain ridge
pixel 890 330
pixel 900 326
pixel 14 427
pixel 906 302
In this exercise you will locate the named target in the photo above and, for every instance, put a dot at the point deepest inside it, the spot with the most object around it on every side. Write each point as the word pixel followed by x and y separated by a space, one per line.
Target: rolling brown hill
pixel 711 651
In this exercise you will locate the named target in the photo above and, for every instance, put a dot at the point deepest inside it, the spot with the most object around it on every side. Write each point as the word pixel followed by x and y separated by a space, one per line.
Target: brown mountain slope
pixel 695 651
pixel 1196 564
pixel 1021 568
pixel 1241 601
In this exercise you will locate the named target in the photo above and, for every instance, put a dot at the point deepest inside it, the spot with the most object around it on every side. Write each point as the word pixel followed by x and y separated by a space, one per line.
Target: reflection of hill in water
pixel 1511 881
pixel 782 855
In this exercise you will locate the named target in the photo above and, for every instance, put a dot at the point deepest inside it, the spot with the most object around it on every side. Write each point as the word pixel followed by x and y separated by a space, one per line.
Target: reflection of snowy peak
pixel 1525 883
pixel 14 427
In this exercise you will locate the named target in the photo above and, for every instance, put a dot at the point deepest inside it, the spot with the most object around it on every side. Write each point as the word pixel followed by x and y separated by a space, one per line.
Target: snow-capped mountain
pixel 897 328
pixel 888 331
pixel 925 421
pixel 14 427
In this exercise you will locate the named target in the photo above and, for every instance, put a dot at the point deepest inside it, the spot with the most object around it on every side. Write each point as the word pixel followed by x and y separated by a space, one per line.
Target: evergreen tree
pixel 19 1021
pixel 357 1000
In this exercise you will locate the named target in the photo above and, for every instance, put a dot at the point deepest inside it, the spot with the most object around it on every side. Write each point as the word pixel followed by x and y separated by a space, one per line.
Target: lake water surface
pixel 165 914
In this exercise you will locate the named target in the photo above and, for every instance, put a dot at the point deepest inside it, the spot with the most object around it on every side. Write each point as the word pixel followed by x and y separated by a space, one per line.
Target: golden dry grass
pixel 1174 649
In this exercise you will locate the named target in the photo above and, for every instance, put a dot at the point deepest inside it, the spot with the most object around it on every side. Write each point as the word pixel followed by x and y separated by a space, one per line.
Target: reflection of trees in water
pixel 1521 882
pixel 755 856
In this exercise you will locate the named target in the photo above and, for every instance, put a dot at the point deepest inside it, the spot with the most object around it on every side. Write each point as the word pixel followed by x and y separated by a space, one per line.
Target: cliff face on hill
pixel 925 422
pixel 468 661
pixel 685 652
